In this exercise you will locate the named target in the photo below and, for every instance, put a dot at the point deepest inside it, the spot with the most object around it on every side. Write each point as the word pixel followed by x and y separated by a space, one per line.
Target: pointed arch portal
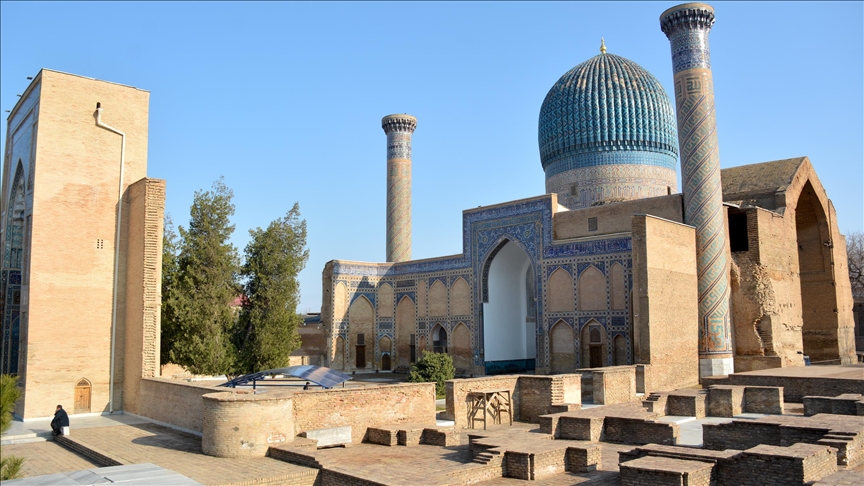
pixel 509 333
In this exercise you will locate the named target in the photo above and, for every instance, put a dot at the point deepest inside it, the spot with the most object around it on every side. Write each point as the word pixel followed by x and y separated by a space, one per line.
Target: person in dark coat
pixel 306 386
pixel 60 420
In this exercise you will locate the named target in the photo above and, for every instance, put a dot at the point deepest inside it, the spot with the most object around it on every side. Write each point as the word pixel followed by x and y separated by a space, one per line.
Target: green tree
pixel 170 253
pixel 435 367
pixel 198 320
pixel 10 466
pixel 267 331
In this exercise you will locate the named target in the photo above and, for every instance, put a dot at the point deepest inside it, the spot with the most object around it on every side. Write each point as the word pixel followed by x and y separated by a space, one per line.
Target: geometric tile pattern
pixel 398 129
pixel 687 28
pixel 607 110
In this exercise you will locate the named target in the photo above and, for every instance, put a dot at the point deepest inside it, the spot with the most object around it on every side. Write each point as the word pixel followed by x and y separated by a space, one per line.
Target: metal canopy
pixel 320 375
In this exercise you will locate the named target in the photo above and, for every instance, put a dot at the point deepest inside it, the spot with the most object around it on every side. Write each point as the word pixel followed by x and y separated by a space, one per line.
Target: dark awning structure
pixel 320 375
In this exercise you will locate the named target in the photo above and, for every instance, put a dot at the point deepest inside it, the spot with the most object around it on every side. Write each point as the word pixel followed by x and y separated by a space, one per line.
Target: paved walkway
pixel 47 458
pixel 40 429
pixel 181 452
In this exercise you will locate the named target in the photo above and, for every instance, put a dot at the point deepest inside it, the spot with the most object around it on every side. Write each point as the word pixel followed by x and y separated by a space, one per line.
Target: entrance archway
pixel 439 339
pixel 509 332
pixel 818 294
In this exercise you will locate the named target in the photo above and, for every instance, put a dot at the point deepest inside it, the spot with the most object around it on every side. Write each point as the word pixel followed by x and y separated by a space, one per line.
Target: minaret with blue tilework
pixel 398 129
pixel 687 27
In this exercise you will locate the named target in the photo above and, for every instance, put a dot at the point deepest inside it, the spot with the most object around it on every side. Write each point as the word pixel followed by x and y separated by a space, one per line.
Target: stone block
pixel 332 436
pixel 580 428
pixel 724 401
pixel 763 399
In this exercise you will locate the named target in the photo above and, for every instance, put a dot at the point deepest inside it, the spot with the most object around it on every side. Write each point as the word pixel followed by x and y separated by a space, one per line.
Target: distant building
pixel 746 269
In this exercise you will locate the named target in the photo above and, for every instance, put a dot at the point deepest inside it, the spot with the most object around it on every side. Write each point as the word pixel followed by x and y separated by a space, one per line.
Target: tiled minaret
pixel 398 129
pixel 687 27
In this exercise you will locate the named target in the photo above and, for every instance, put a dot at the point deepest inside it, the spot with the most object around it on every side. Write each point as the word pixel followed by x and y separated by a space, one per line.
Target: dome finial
pixel 602 46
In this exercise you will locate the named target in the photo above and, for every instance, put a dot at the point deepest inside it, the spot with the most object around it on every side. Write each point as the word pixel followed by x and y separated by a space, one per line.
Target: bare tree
pixel 855 255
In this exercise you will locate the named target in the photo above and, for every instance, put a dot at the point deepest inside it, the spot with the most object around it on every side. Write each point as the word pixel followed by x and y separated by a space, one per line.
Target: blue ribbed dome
pixel 605 104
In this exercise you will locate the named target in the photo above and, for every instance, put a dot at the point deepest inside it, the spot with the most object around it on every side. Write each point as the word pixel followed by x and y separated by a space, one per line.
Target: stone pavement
pixel 40 429
pixel 181 452
pixel 43 457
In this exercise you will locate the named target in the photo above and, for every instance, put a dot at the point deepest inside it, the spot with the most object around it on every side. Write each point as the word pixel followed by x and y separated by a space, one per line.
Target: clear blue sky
pixel 285 99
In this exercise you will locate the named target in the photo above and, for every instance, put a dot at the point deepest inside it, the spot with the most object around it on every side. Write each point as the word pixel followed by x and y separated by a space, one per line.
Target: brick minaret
pixel 398 129
pixel 687 27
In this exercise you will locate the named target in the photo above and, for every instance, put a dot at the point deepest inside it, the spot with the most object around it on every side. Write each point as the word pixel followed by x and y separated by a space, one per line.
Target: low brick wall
pixel 173 402
pixel 657 471
pixel 796 388
pixel 724 401
pixel 580 428
pixel 612 384
pixel 770 465
pixel 847 404
pixel 364 407
pixel 627 430
pixel 763 399
pixel 583 459
pixel 540 395
pixel 739 434
pixel 245 424
pixel 686 405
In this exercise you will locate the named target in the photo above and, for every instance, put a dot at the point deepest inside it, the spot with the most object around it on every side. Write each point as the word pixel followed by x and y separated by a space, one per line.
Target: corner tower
pixel 687 27
pixel 607 133
pixel 398 129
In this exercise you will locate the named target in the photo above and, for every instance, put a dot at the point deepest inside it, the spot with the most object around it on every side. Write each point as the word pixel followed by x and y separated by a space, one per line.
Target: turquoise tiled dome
pixel 606 104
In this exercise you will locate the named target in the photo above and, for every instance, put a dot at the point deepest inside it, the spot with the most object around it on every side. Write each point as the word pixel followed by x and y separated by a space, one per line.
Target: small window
pixel 592 224
pixel 361 340
pixel 738 240
pixel 574 190
pixel 595 336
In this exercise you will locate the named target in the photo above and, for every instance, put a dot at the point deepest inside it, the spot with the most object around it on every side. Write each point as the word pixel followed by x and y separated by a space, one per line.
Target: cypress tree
pixel 198 316
pixel 267 331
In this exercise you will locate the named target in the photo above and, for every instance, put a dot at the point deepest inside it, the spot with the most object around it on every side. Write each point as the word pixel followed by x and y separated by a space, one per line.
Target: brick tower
pixel 687 27
pixel 398 129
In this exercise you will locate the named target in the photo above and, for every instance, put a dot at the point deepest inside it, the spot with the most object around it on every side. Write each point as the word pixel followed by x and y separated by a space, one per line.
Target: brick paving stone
pixel 181 453
pixel 41 458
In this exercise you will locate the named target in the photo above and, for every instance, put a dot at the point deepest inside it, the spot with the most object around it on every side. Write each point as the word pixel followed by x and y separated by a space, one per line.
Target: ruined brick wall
pixel 614 384
pixel 243 423
pixel 739 434
pixel 780 466
pixel 766 295
pixel 795 388
pixel 364 407
pixel 177 403
pixel 538 394
pixel 628 430
pixel 665 299
pixel 145 211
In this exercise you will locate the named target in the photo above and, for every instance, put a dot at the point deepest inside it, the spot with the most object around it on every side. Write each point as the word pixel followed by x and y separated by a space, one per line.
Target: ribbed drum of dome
pixel 607 132
pixel 398 129
pixel 687 27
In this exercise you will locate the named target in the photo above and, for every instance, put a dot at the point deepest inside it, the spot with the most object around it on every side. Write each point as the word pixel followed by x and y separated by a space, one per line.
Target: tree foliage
pixel 197 319
pixel 9 395
pixel 855 255
pixel 170 252
pixel 434 367
pixel 10 466
pixel 267 331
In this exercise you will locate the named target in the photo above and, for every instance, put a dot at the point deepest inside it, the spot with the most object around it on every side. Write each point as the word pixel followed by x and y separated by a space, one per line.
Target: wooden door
pixel 385 362
pixel 82 397
pixel 361 357
pixel 596 356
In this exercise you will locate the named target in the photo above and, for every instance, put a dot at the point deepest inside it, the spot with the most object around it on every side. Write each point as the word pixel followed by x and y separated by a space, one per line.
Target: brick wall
pixel 627 430
pixel 796 388
pixel 144 219
pixel 614 384
pixel 739 434
pixel 763 399
pixel 724 401
pixel 364 407
pixel 245 423
pixel 665 302
pixel 176 403
pixel 770 465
